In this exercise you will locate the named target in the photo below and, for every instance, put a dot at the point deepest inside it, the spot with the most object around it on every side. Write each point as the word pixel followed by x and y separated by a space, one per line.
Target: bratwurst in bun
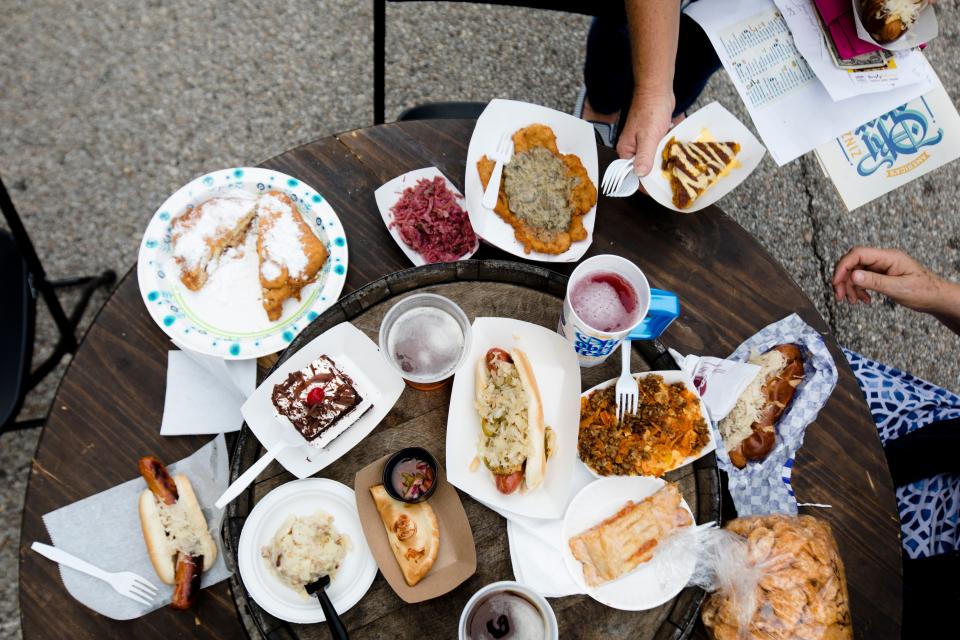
pixel 178 540
pixel 514 441
pixel 749 430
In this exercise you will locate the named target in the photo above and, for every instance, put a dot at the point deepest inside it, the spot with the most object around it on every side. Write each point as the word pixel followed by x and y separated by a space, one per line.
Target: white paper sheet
pixel 790 107
pixel 803 22
pixel 204 393
pixel 104 530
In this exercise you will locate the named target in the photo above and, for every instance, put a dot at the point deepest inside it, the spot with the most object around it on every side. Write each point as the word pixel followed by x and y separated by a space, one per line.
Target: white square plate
pixel 506 116
pixel 557 373
pixel 388 195
pixel 711 123
pixel 669 377
pixel 357 356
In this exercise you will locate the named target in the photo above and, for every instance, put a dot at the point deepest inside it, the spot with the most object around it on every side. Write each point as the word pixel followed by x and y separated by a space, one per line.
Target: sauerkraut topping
pixel 502 405
pixel 906 11
pixel 737 425
pixel 180 531
pixel 306 548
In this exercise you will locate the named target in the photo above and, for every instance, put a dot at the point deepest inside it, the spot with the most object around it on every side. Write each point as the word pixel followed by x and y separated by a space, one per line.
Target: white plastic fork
pixel 502 156
pixel 126 583
pixel 628 186
pixel 628 394
pixel 613 178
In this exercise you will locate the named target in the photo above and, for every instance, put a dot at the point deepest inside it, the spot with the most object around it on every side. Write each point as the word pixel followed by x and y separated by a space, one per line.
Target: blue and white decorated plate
pixel 226 317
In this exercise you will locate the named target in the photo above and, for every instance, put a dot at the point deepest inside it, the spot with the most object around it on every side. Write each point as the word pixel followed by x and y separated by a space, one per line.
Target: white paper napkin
pixel 719 382
pixel 104 530
pixel 205 393
pixel 535 550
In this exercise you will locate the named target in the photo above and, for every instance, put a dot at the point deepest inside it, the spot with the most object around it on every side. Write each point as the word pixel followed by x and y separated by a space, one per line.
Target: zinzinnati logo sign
pixel 893 149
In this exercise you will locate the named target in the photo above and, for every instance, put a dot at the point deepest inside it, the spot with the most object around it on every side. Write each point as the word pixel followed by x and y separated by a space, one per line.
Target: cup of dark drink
pixel 608 300
pixel 425 337
pixel 508 611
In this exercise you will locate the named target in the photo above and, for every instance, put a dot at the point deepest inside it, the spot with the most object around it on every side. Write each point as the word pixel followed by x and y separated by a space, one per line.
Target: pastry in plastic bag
pixel 780 577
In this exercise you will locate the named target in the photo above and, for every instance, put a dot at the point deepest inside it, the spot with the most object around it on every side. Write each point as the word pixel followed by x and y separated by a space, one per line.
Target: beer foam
pixel 599 305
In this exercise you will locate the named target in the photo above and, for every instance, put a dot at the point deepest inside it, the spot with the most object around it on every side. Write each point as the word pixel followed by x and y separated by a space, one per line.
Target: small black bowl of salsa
pixel 410 475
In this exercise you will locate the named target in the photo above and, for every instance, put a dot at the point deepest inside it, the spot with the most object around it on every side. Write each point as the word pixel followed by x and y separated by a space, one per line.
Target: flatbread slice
pixel 413 533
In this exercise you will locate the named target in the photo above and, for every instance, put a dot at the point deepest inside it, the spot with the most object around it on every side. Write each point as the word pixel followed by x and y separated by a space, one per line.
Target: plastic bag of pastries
pixel 775 577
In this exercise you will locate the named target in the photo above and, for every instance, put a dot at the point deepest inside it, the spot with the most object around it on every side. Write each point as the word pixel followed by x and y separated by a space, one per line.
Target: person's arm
pixel 654 27
pixel 896 275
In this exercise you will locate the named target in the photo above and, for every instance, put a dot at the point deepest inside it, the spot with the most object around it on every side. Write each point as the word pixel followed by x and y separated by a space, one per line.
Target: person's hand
pixel 890 272
pixel 648 121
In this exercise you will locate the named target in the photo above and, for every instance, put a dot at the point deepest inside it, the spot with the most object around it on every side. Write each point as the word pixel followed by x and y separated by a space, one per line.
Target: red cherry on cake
pixel 315 396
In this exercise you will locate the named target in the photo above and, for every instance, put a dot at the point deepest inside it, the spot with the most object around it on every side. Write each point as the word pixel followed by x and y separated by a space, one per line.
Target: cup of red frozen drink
pixel 608 300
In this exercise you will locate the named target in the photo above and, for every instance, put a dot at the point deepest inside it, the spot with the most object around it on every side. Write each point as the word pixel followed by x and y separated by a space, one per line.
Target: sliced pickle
pixel 490 429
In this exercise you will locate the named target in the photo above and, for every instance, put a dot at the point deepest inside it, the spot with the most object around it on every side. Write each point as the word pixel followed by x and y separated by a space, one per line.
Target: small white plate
pixel 304 498
pixel 649 585
pixel 557 373
pixel 506 116
pixel 669 377
pixel 226 317
pixel 357 356
pixel 388 195
pixel 711 123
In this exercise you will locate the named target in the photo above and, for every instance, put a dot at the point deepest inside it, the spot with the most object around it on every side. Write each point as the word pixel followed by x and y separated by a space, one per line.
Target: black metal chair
pixel 466 110
pixel 22 280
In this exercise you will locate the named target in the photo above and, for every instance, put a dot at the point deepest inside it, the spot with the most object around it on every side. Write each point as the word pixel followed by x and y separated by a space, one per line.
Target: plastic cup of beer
pixel 425 337
pixel 608 301
pixel 508 609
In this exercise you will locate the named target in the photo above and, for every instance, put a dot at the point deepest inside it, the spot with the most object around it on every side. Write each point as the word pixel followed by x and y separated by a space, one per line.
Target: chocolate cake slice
pixel 316 397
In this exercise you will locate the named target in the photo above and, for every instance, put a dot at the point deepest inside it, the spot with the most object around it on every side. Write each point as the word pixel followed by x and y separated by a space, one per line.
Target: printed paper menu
pixel 791 108
pixel 764 58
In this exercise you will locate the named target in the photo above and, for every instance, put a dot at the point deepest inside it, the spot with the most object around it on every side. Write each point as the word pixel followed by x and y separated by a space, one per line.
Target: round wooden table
pixel 107 411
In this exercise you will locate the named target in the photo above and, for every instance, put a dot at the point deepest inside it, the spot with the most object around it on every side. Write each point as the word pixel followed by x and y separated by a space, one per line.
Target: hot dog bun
pixel 887 20
pixel 189 530
pixel 749 431
pixel 530 473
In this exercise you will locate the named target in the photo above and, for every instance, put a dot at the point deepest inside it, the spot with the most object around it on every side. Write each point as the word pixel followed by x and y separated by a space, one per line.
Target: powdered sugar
pixel 270 270
pixel 281 242
pixel 219 216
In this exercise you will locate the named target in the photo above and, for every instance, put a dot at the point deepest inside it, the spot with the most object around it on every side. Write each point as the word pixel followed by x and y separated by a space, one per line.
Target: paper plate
pixel 713 123
pixel 226 318
pixel 669 377
pixel 388 195
pixel 303 498
pixel 506 116
pixel 557 373
pixel 649 585
pixel 355 355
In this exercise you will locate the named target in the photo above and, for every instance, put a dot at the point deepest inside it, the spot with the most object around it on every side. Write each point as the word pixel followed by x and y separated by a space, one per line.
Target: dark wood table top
pixel 107 411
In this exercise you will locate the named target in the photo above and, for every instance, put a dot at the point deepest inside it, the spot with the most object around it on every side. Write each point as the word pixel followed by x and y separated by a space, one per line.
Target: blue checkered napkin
pixel 764 487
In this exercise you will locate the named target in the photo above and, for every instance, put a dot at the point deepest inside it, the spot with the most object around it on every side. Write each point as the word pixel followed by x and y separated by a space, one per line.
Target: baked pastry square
pixel 290 253
pixel 694 167
pixel 629 538
pixel 200 235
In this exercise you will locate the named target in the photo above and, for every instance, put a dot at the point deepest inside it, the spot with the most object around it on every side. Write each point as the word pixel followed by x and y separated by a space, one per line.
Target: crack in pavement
pixel 816 234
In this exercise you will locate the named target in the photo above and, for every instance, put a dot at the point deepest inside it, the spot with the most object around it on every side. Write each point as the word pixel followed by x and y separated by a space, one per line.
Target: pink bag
pixel 838 16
